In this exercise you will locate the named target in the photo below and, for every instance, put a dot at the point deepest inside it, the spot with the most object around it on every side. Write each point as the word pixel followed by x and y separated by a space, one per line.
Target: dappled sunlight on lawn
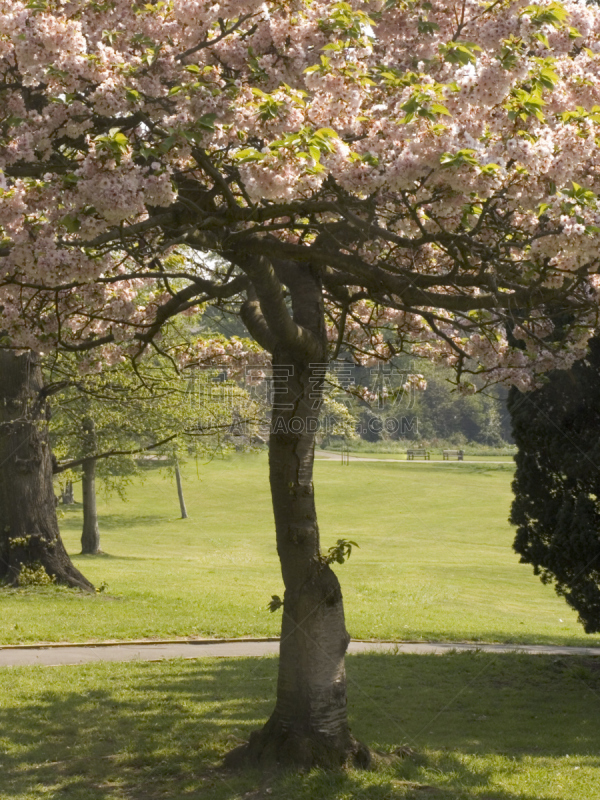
pixel 469 725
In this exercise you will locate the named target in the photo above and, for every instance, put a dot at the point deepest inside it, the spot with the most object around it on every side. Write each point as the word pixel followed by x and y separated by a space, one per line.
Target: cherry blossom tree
pixel 368 176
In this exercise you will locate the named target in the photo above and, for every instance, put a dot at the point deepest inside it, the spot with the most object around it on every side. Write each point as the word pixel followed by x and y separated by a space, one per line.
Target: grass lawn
pixel 435 559
pixel 479 727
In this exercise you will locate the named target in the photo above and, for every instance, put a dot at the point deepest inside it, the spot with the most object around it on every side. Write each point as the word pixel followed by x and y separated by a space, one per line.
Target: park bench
pixel 448 454
pixel 417 453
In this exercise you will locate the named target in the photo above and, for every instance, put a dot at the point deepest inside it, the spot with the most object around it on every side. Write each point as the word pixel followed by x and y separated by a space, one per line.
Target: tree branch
pixel 77 462
pixel 274 308
pixel 253 319
pixel 111 235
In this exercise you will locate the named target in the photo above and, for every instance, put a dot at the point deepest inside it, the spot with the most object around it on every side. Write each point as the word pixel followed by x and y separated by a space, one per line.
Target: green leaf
pixel 425 27
pixel 13 121
pixel 249 154
pixel 146 152
pixel 327 132
pixel 340 552
pixel 462 53
pixel 207 122
pixel 541 37
pixel 70 180
pixel 437 108
pixel 554 14
pixel 167 144
pixel 459 159
pixel 38 5
pixel 71 223
pixel 411 105
pixel 110 36
pixel 548 78
pixel 489 169
pixel 115 143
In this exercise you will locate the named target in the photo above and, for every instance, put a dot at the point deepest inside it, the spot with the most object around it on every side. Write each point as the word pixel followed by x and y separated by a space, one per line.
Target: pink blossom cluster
pixel 451 117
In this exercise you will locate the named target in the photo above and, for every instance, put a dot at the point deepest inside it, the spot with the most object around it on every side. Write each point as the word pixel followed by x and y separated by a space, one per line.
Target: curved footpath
pixel 54 655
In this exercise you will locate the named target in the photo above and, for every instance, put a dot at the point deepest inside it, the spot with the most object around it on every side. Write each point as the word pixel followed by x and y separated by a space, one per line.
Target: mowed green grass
pixel 473 727
pixel 435 559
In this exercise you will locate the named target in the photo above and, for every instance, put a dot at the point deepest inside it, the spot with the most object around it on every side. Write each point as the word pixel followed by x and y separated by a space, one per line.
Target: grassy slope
pixel 435 559
pixel 481 727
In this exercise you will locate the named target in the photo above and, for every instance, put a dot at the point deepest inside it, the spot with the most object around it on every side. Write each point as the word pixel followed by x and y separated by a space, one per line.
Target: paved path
pixel 329 455
pixel 57 655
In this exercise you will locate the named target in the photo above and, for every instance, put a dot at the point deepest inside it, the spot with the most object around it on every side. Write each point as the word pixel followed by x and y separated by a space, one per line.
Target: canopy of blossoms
pixel 436 162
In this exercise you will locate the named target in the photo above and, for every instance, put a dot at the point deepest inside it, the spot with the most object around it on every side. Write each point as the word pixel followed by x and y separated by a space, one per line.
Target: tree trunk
pixel 68 497
pixel 309 726
pixel 29 535
pixel 180 491
pixel 90 536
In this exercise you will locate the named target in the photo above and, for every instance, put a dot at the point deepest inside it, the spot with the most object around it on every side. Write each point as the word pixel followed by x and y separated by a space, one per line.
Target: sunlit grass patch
pixel 435 559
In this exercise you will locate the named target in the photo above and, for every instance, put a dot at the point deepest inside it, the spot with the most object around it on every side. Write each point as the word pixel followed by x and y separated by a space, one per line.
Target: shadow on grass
pixel 104 556
pixel 145 731
pixel 120 521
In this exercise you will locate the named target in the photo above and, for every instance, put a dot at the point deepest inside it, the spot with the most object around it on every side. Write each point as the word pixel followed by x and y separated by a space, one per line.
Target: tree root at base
pixel 274 747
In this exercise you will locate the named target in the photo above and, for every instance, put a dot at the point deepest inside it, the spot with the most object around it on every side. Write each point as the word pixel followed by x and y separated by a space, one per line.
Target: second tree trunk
pixel 30 543
pixel 90 536
pixel 182 507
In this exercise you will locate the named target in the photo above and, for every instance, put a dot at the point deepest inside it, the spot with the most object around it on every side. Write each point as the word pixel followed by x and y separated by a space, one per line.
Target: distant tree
pixel 337 422
pixel 413 399
pixel 556 507
pixel 445 413
pixel 102 422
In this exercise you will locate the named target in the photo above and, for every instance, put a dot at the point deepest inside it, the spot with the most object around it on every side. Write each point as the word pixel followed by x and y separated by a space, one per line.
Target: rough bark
pixel 90 535
pixel 309 725
pixel 182 507
pixel 29 534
